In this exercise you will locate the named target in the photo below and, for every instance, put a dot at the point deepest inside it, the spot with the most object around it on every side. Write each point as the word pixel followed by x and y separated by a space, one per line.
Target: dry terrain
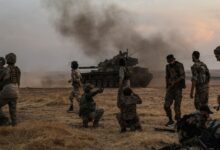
pixel 44 124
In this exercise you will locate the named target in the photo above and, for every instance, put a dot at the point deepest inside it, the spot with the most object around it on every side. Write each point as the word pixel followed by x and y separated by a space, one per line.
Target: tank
pixel 106 74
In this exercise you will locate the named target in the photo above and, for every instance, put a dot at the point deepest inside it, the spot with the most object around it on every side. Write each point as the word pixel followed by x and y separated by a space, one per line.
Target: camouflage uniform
pixel 124 77
pixel 128 117
pixel 201 77
pixel 11 82
pixel 9 95
pixel 175 82
pixel 88 111
pixel 76 83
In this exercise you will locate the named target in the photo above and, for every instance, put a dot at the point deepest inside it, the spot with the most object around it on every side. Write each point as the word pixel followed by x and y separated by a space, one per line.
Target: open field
pixel 44 124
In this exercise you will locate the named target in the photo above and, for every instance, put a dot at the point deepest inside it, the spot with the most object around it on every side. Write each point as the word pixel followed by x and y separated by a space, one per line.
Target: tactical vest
pixel 14 74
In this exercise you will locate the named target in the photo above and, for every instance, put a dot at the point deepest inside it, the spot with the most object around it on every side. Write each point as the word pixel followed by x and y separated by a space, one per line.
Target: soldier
pixel 193 125
pixel 128 118
pixel 217 53
pixel 88 111
pixel 76 83
pixel 3 119
pixel 175 82
pixel 124 74
pixel 11 81
pixel 200 81
pixel 124 77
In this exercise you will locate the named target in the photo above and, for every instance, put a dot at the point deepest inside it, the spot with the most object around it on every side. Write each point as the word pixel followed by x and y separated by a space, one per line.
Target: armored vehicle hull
pixel 107 72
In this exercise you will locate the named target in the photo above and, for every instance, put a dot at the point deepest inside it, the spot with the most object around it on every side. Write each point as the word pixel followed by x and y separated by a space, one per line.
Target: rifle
pixel 165 130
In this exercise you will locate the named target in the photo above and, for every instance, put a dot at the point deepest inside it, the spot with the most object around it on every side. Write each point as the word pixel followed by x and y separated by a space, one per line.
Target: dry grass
pixel 44 123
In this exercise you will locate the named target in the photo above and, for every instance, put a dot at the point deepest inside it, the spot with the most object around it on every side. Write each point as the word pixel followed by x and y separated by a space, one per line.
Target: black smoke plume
pixel 99 29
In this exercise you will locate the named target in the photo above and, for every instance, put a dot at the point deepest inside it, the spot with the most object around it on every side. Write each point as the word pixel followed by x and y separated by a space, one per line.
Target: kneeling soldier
pixel 88 111
pixel 128 117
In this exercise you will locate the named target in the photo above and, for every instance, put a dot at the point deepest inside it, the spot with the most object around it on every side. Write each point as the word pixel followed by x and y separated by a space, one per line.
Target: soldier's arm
pixel 167 77
pixel 19 76
pixel 121 76
pixel 208 73
pixel 138 99
pixel 94 93
pixel 193 82
pixel 182 74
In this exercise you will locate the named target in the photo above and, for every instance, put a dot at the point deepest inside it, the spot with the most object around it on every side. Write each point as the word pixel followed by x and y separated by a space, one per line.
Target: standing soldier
pixel 11 82
pixel 3 119
pixel 76 83
pixel 124 77
pixel 128 117
pixel 175 82
pixel 88 111
pixel 200 81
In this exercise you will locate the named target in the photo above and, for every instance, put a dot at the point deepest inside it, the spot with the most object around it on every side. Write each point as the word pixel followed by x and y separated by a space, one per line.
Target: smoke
pixel 101 29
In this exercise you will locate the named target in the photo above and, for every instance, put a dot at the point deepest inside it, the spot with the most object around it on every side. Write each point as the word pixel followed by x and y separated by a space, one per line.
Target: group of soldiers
pixel 127 100
pixel 175 83
pixel 9 84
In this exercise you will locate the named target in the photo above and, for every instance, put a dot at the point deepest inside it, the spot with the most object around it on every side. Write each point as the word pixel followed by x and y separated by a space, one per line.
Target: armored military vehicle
pixel 106 74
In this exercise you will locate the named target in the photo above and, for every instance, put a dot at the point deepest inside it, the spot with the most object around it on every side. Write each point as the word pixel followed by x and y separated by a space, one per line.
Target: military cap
pixel 170 58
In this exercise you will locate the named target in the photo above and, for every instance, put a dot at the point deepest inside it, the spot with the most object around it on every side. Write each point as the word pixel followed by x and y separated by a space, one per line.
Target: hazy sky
pixel 26 28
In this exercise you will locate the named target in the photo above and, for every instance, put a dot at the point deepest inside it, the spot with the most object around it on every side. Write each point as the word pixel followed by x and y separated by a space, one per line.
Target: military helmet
pixel 2 61
pixel 10 58
pixel 87 87
pixel 74 64
pixel 217 50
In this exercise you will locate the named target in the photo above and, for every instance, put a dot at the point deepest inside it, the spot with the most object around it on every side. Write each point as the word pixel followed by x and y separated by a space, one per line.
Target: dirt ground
pixel 44 124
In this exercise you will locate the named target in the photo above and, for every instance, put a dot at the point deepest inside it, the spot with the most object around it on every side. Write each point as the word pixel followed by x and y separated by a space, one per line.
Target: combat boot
pixel 70 109
pixel 85 124
pixel 4 121
pixel 123 130
pixel 170 122
pixel 96 123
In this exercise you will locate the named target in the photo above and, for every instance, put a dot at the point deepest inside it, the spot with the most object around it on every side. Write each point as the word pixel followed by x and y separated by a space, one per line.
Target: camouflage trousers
pixel 94 116
pixel 173 95
pixel 75 93
pixel 201 96
pixel 12 109
pixel 124 123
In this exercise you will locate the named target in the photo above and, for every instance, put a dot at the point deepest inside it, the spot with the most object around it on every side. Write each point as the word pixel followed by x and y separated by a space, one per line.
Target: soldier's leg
pixel 137 124
pixel 3 118
pixel 168 102
pixel 197 99
pixel 77 94
pixel 98 115
pixel 85 121
pixel 12 110
pixel 177 104
pixel 70 109
pixel 121 122
pixel 204 96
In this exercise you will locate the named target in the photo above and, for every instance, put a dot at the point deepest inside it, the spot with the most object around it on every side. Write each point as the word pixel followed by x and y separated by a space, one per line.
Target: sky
pixel 27 28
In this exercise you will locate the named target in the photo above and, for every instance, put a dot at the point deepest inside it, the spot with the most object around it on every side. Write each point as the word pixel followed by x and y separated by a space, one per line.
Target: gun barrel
pixel 90 67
